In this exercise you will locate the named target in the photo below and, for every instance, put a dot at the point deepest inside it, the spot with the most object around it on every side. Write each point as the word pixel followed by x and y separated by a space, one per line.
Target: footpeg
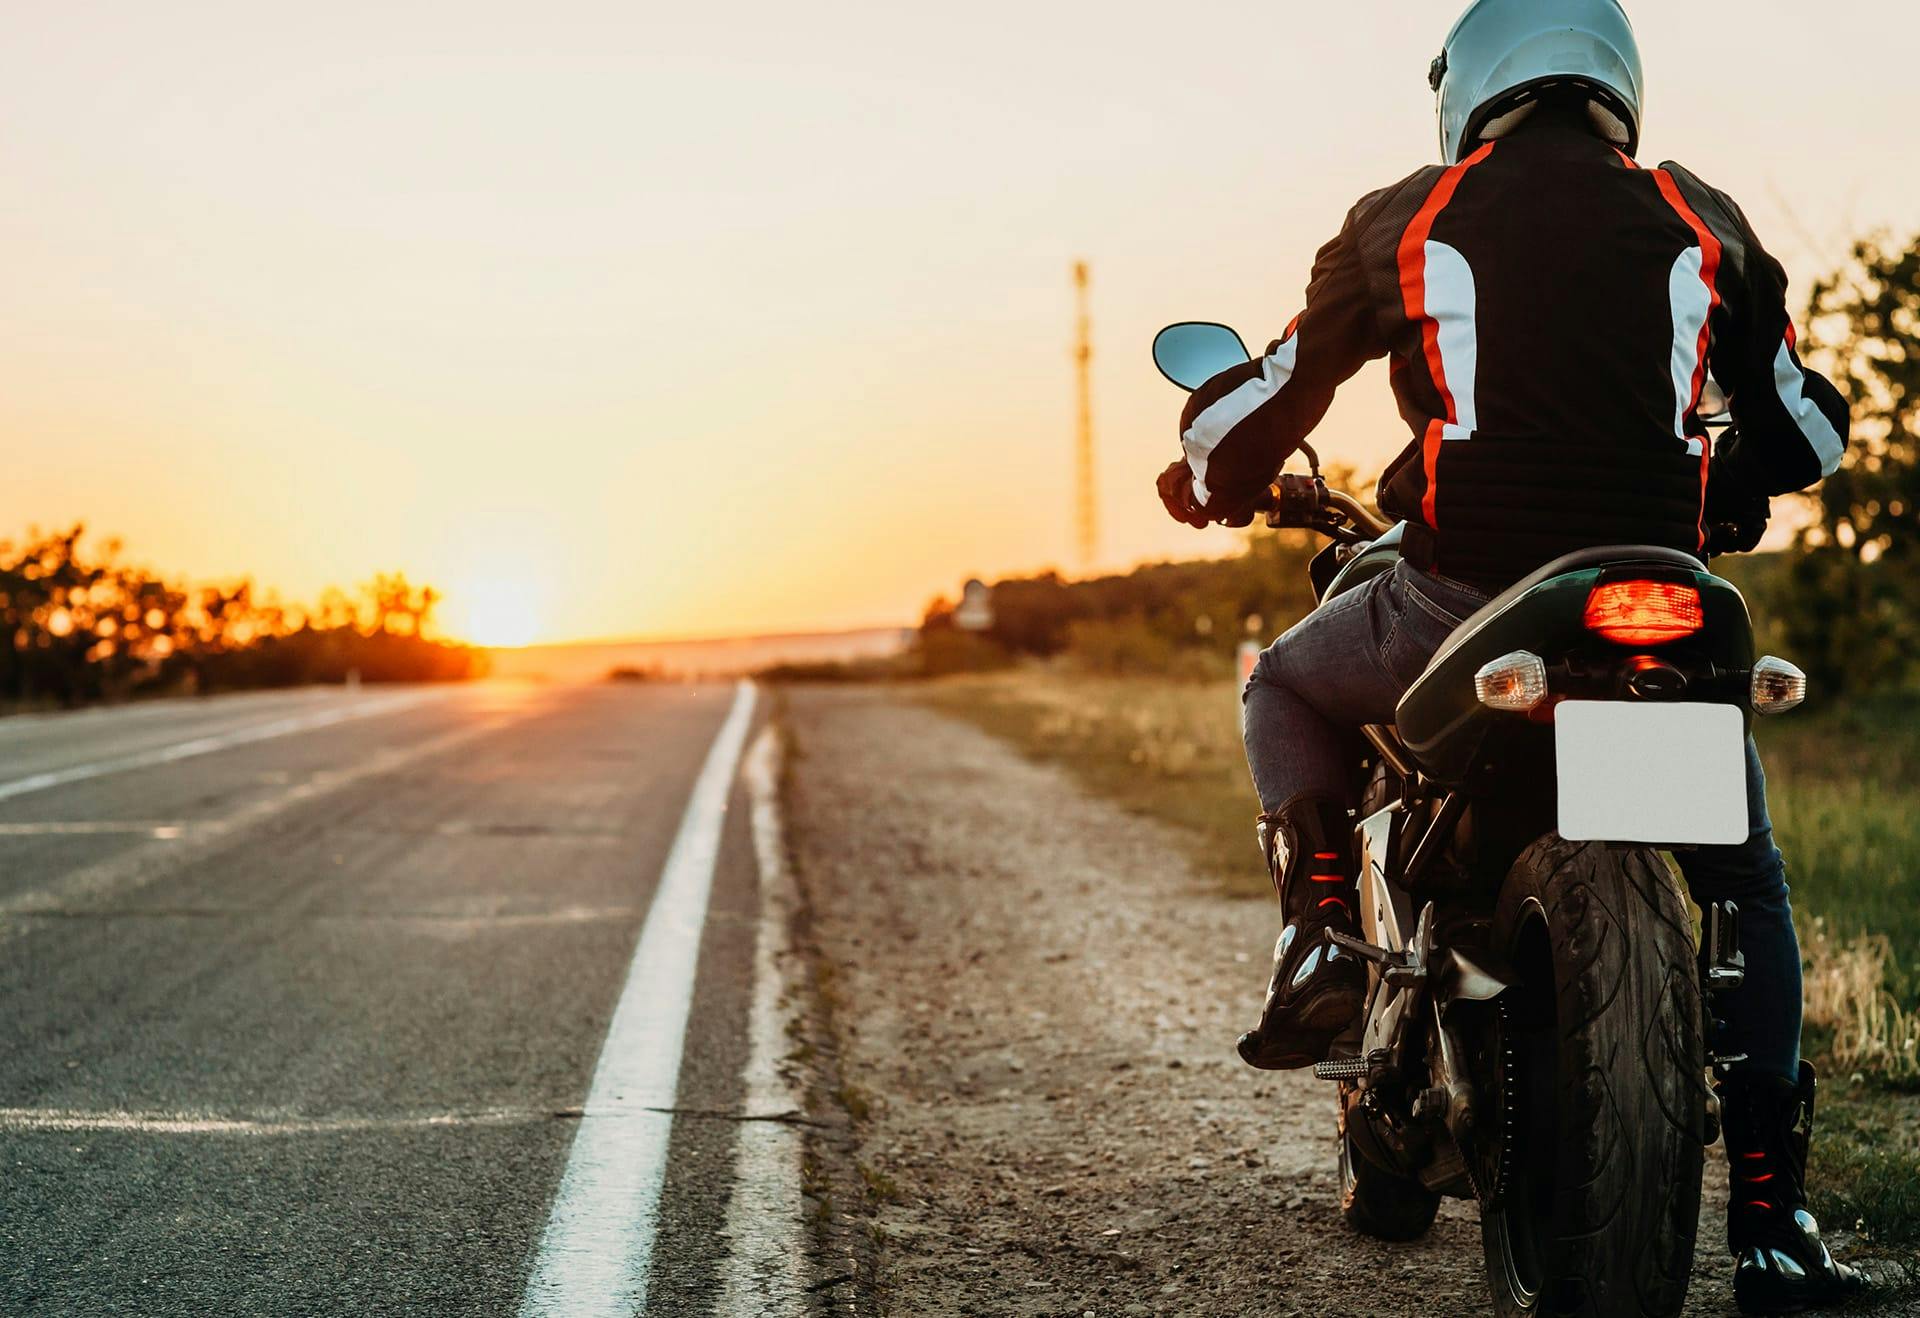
pixel 1398 969
pixel 1350 1068
pixel 1361 948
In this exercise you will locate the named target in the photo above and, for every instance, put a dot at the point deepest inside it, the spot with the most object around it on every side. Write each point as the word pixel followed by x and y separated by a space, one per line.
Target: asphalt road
pixel 302 995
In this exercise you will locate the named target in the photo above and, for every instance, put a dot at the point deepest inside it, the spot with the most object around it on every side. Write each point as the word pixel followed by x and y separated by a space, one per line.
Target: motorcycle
pixel 1537 1018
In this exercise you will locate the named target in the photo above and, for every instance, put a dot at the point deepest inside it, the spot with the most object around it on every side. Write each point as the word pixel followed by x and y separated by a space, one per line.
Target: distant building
pixel 975 613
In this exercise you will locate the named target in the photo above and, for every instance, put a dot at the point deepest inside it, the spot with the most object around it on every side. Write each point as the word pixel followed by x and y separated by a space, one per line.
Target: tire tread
pixel 1630 1080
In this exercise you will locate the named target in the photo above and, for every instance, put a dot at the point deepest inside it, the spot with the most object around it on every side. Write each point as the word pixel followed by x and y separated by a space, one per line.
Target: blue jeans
pixel 1348 664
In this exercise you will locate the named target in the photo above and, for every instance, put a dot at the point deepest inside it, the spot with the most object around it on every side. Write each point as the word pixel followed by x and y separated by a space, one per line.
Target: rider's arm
pixel 1241 426
pixel 1790 422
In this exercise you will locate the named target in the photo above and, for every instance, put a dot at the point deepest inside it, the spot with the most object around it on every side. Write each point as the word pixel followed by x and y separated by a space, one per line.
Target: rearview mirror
pixel 1194 351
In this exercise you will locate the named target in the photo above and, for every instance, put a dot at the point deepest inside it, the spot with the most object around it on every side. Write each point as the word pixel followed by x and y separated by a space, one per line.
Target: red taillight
pixel 1644 612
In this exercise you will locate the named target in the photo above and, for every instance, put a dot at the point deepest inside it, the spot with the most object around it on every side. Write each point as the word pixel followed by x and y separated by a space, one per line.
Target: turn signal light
pixel 1777 686
pixel 1516 682
pixel 1644 612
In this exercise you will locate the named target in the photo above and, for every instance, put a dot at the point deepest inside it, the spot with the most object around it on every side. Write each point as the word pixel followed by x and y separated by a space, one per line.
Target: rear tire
pixel 1606 1110
pixel 1377 1203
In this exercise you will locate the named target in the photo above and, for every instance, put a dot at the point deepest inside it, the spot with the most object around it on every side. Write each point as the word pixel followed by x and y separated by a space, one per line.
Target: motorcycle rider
pixel 1552 310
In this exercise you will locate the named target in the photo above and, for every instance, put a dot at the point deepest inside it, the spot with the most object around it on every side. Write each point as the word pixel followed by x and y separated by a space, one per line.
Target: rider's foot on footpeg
pixel 1317 988
pixel 1311 1001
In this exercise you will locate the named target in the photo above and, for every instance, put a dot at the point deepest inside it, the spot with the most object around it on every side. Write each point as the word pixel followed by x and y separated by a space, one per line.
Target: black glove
pixel 1235 517
pixel 1176 492
pixel 1735 517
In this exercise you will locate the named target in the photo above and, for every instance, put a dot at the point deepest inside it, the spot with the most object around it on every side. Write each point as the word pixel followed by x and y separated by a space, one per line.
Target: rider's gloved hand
pixel 1176 483
pixel 1234 517
pixel 1735 517
pixel 1176 492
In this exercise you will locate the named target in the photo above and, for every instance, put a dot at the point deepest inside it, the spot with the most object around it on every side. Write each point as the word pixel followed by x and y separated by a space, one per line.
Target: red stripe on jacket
pixel 1709 275
pixel 1413 293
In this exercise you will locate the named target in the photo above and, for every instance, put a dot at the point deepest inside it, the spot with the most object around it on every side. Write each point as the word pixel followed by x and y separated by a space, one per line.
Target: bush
pixel 1185 619
pixel 85 626
pixel 637 673
pixel 1129 647
pixel 944 651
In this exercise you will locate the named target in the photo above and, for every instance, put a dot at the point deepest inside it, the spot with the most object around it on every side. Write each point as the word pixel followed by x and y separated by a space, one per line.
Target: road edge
pixel 767 1272
pixel 840 1195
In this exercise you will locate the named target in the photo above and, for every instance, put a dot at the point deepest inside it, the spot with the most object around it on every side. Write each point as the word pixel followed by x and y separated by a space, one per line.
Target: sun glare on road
pixel 499 611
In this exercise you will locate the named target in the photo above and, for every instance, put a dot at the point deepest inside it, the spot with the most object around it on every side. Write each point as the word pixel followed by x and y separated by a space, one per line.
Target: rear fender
pixel 1443 722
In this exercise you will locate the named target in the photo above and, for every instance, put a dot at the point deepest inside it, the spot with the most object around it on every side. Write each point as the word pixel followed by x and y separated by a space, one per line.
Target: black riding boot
pixel 1781 1264
pixel 1317 990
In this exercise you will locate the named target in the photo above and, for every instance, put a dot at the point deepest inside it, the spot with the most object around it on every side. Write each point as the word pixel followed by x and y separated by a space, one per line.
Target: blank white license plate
pixel 1660 773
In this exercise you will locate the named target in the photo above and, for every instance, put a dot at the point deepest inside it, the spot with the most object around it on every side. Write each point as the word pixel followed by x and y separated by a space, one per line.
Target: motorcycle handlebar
pixel 1363 516
pixel 1305 501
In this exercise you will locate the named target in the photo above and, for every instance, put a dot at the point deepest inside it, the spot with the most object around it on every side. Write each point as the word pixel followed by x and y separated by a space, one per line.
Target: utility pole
pixel 1087 511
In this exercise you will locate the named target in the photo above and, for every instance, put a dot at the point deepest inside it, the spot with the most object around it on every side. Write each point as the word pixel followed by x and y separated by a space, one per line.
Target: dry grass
pixel 1169 733
pixel 1847 997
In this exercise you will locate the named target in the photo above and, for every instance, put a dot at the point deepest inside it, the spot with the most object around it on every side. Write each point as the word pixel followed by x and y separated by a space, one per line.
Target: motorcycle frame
pixel 1405 1030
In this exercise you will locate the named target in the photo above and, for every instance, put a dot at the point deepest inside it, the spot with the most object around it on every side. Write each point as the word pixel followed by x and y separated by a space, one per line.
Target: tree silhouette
pixel 80 624
pixel 1851 608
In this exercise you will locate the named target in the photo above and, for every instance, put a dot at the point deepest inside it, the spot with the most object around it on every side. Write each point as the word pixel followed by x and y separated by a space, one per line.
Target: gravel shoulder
pixel 1036 1001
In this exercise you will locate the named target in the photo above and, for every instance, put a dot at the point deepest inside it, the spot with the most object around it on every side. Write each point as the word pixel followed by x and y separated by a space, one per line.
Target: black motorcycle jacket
pixel 1551 310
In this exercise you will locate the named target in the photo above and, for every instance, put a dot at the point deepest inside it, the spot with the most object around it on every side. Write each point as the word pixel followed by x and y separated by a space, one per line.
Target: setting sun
pixel 496 611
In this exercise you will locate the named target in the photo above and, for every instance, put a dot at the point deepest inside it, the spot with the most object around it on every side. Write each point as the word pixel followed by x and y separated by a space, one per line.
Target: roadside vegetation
pixel 81 624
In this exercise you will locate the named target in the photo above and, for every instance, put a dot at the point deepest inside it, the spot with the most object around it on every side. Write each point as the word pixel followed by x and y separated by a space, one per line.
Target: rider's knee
pixel 1268 674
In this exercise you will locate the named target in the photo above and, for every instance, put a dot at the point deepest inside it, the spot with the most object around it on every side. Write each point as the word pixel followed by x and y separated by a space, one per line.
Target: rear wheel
pixel 1602 1092
pixel 1377 1203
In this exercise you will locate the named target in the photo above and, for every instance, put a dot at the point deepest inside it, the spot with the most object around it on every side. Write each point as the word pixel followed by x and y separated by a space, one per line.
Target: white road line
pixel 78 1121
pixel 186 750
pixel 142 865
pixel 16 726
pixel 593 1256
pixel 765 1270
pixel 440 924
pixel 95 827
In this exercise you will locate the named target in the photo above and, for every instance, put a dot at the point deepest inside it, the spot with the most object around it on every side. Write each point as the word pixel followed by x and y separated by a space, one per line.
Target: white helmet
pixel 1503 53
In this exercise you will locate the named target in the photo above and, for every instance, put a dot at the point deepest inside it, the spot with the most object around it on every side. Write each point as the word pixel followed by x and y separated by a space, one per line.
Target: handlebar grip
pixel 1296 500
pixel 1306 502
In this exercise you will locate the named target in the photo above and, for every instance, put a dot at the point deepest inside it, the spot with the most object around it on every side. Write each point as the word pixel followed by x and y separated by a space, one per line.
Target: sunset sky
pixel 619 319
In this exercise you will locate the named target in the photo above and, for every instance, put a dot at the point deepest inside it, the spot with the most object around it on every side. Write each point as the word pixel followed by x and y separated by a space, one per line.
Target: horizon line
pixel 724 638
